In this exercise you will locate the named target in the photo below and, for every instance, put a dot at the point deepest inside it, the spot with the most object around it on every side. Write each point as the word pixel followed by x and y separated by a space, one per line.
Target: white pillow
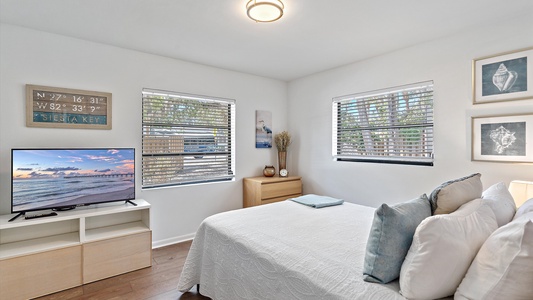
pixel 443 248
pixel 501 202
pixel 503 267
pixel 524 208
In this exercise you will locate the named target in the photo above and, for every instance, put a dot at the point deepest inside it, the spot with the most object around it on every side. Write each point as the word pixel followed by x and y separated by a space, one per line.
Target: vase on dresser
pixel 282 160
pixel 283 140
pixel 269 171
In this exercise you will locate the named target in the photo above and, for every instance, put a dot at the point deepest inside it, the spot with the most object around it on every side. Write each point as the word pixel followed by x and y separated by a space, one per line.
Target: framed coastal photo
pixel 503 77
pixel 503 138
pixel 263 129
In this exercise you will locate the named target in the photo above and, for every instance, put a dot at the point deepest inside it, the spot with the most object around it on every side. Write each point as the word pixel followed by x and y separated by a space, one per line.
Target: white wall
pixel 448 63
pixel 33 57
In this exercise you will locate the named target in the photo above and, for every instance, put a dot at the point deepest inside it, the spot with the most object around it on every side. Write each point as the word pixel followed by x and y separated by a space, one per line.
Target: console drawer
pixel 115 256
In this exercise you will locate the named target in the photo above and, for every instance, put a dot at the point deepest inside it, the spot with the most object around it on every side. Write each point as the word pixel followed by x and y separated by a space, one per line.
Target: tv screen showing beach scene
pixel 60 178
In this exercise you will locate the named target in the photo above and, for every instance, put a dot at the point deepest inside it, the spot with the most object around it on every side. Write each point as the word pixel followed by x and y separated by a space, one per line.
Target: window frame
pixel 354 142
pixel 188 139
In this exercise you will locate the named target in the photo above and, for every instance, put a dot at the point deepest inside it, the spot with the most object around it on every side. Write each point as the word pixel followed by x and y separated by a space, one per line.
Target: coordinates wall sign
pixel 54 107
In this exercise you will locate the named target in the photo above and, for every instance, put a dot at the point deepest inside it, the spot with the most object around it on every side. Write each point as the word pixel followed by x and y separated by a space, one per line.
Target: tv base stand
pixel 132 203
pixel 16 216
pixel 47 255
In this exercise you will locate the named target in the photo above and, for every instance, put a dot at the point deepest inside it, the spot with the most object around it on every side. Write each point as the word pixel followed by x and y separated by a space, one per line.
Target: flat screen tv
pixel 66 178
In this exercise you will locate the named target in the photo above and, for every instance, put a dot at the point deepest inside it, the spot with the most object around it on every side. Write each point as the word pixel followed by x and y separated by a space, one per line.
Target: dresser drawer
pixel 277 199
pixel 264 190
pixel 279 189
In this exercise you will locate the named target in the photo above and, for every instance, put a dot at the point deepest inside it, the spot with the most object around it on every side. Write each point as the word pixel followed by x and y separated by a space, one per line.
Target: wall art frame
pixel 263 129
pixel 503 138
pixel 503 77
pixel 54 107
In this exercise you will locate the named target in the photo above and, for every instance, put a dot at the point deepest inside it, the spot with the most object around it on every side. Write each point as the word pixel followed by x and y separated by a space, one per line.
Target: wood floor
pixel 157 282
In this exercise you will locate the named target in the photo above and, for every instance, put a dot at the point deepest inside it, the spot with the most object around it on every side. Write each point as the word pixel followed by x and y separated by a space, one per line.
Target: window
pixel 186 139
pixel 387 126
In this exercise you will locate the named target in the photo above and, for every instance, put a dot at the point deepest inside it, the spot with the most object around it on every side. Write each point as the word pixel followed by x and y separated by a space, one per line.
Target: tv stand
pixel 15 217
pixel 47 255
pixel 56 209
pixel 130 202
pixel 64 208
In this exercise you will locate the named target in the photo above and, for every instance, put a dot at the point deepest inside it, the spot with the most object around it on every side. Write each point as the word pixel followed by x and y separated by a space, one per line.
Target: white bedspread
pixel 284 250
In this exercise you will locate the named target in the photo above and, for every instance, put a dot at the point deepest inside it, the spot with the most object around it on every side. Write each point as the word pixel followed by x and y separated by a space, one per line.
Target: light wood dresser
pixel 264 190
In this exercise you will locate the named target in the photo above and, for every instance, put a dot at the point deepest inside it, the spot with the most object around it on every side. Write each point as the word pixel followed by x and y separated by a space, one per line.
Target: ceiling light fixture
pixel 264 10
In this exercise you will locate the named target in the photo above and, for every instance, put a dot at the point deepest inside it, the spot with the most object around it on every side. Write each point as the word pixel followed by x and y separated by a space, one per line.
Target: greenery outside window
pixel 186 139
pixel 392 125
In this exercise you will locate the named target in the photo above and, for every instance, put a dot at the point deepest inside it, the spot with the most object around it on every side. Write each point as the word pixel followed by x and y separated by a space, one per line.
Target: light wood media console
pixel 45 255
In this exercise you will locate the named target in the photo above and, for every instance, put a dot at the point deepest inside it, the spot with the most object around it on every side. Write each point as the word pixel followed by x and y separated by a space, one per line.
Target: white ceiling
pixel 312 36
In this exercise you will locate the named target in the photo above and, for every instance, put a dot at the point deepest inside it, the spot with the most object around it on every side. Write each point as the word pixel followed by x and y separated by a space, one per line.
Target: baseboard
pixel 172 241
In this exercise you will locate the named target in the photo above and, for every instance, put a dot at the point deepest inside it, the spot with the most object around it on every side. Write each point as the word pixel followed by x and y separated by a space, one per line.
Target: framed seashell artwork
pixel 503 77
pixel 503 138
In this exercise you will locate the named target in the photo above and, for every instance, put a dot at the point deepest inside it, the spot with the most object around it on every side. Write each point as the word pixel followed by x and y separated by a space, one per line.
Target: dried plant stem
pixel 282 140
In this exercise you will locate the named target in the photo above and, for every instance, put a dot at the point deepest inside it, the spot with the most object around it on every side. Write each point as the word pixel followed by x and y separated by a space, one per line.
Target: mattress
pixel 284 250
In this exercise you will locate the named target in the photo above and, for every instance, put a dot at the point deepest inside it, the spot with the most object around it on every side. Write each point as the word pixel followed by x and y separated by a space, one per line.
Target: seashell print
pixel 504 79
pixel 502 138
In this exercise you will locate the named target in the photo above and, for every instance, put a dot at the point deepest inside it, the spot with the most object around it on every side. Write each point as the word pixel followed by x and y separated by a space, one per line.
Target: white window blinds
pixel 389 126
pixel 186 139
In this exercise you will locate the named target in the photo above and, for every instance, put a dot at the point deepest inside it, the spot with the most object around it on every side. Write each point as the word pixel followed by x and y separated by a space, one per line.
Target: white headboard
pixel 521 191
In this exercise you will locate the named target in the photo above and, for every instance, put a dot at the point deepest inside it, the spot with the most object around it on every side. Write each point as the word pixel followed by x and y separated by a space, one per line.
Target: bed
pixel 287 250
pixel 284 250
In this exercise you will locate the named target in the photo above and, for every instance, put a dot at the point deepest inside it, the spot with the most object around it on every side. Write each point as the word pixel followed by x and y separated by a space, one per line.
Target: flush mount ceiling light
pixel 264 10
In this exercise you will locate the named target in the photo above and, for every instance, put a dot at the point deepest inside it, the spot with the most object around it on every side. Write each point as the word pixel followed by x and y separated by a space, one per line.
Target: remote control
pixel 41 215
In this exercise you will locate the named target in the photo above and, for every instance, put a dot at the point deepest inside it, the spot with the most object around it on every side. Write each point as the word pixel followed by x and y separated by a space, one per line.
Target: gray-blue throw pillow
pixel 391 236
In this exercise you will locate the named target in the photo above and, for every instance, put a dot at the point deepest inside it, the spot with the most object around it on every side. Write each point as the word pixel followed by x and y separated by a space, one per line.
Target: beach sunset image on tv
pixel 52 178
